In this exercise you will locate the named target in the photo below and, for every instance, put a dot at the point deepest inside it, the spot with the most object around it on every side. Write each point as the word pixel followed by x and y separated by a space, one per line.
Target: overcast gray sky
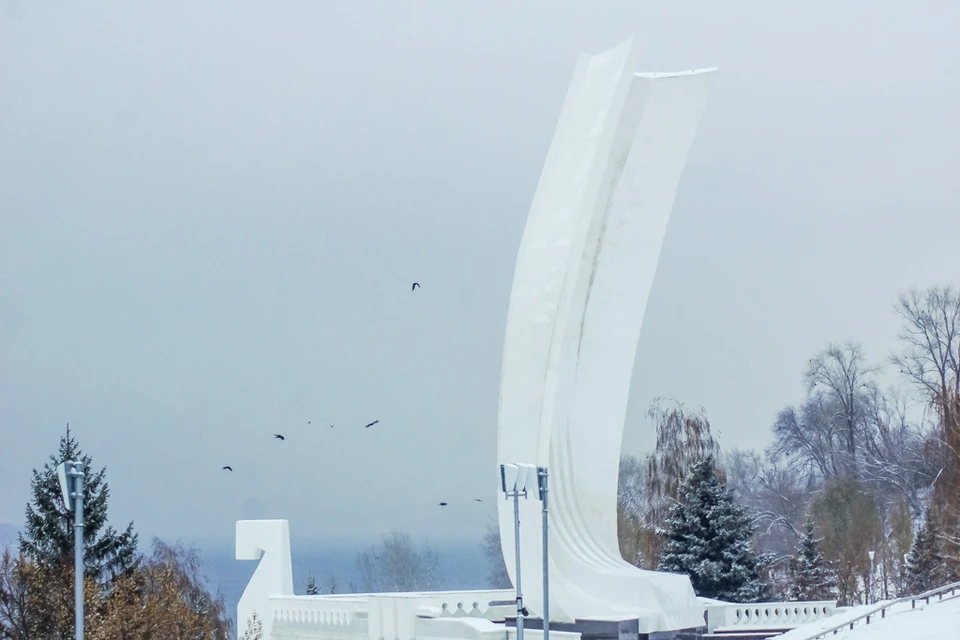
pixel 211 214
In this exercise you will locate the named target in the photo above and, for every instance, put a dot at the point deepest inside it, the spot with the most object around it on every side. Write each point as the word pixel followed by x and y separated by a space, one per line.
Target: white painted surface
pixel 377 616
pixel 725 616
pixel 584 270
pixel 269 542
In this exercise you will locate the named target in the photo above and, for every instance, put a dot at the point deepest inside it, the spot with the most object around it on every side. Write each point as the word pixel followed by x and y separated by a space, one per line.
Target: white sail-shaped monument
pixel 584 271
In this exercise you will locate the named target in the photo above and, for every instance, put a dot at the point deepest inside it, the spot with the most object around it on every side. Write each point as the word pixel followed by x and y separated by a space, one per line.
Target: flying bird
pixel 477 500
pixel 308 422
pixel 371 424
pixel 278 436
pixel 228 468
pixel 414 286
pixel 443 504
pixel 331 426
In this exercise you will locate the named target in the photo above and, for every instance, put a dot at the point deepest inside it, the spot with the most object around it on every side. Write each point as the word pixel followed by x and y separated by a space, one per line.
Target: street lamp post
pixel 542 478
pixel 71 483
pixel 513 482
pixel 870 580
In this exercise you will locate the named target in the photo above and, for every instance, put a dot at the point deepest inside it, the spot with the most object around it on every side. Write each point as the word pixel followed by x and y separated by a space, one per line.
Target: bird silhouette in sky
pixel 477 500
pixel 414 286
pixel 331 426
pixel 443 504
pixel 308 422
pixel 278 436
pixel 228 468
pixel 371 424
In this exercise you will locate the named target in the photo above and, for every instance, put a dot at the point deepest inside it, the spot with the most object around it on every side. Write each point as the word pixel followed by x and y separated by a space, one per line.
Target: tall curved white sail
pixel 584 271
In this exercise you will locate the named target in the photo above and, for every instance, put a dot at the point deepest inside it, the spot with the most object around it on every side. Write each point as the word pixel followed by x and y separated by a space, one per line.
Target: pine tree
pixel 708 537
pixel 48 533
pixel 312 588
pixel 810 577
pixel 926 567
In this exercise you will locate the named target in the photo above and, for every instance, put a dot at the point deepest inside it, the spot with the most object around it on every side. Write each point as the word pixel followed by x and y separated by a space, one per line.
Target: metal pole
pixel 542 473
pixel 77 473
pixel 516 541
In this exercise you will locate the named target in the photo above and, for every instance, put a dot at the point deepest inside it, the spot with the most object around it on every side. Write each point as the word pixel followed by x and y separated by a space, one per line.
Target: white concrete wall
pixel 726 616
pixel 269 542
pixel 584 271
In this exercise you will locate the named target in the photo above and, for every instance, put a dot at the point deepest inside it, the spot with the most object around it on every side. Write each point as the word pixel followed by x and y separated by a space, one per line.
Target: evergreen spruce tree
pixel 48 536
pixel 810 576
pixel 926 567
pixel 312 588
pixel 708 537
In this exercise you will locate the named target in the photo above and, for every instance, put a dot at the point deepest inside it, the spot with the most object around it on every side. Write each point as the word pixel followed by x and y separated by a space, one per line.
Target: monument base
pixel 609 629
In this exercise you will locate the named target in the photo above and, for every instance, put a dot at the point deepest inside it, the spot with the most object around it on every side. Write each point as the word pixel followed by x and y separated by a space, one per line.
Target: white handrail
pixel 881 607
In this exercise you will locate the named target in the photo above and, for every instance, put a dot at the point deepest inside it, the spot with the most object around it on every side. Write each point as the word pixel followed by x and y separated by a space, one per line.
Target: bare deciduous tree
pixel 894 459
pixel 36 599
pixel 15 595
pixel 840 375
pixel 497 576
pixel 775 494
pixel 254 629
pixel 931 338
pixel 825 434
pixel 631 502
pixel 163 597
pixel 848 428
pixel 807 439
pixel 397 565
pixel 930 359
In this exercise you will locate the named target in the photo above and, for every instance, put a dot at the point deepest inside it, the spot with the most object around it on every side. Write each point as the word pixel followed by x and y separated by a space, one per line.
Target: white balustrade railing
pixel 459 604
pixel 318 610
pixel 461 628
pixel 767 615
pixel 387 615
pixel 396 615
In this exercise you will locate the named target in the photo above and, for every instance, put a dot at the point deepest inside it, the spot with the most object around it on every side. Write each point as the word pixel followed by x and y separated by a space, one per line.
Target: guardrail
pixel 882 609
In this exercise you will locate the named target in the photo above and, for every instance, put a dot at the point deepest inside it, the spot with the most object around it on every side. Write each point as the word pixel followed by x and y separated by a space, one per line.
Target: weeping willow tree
pixel 646 494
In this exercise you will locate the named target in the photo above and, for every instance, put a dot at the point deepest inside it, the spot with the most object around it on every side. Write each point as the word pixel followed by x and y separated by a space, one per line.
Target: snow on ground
pixel 939 619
